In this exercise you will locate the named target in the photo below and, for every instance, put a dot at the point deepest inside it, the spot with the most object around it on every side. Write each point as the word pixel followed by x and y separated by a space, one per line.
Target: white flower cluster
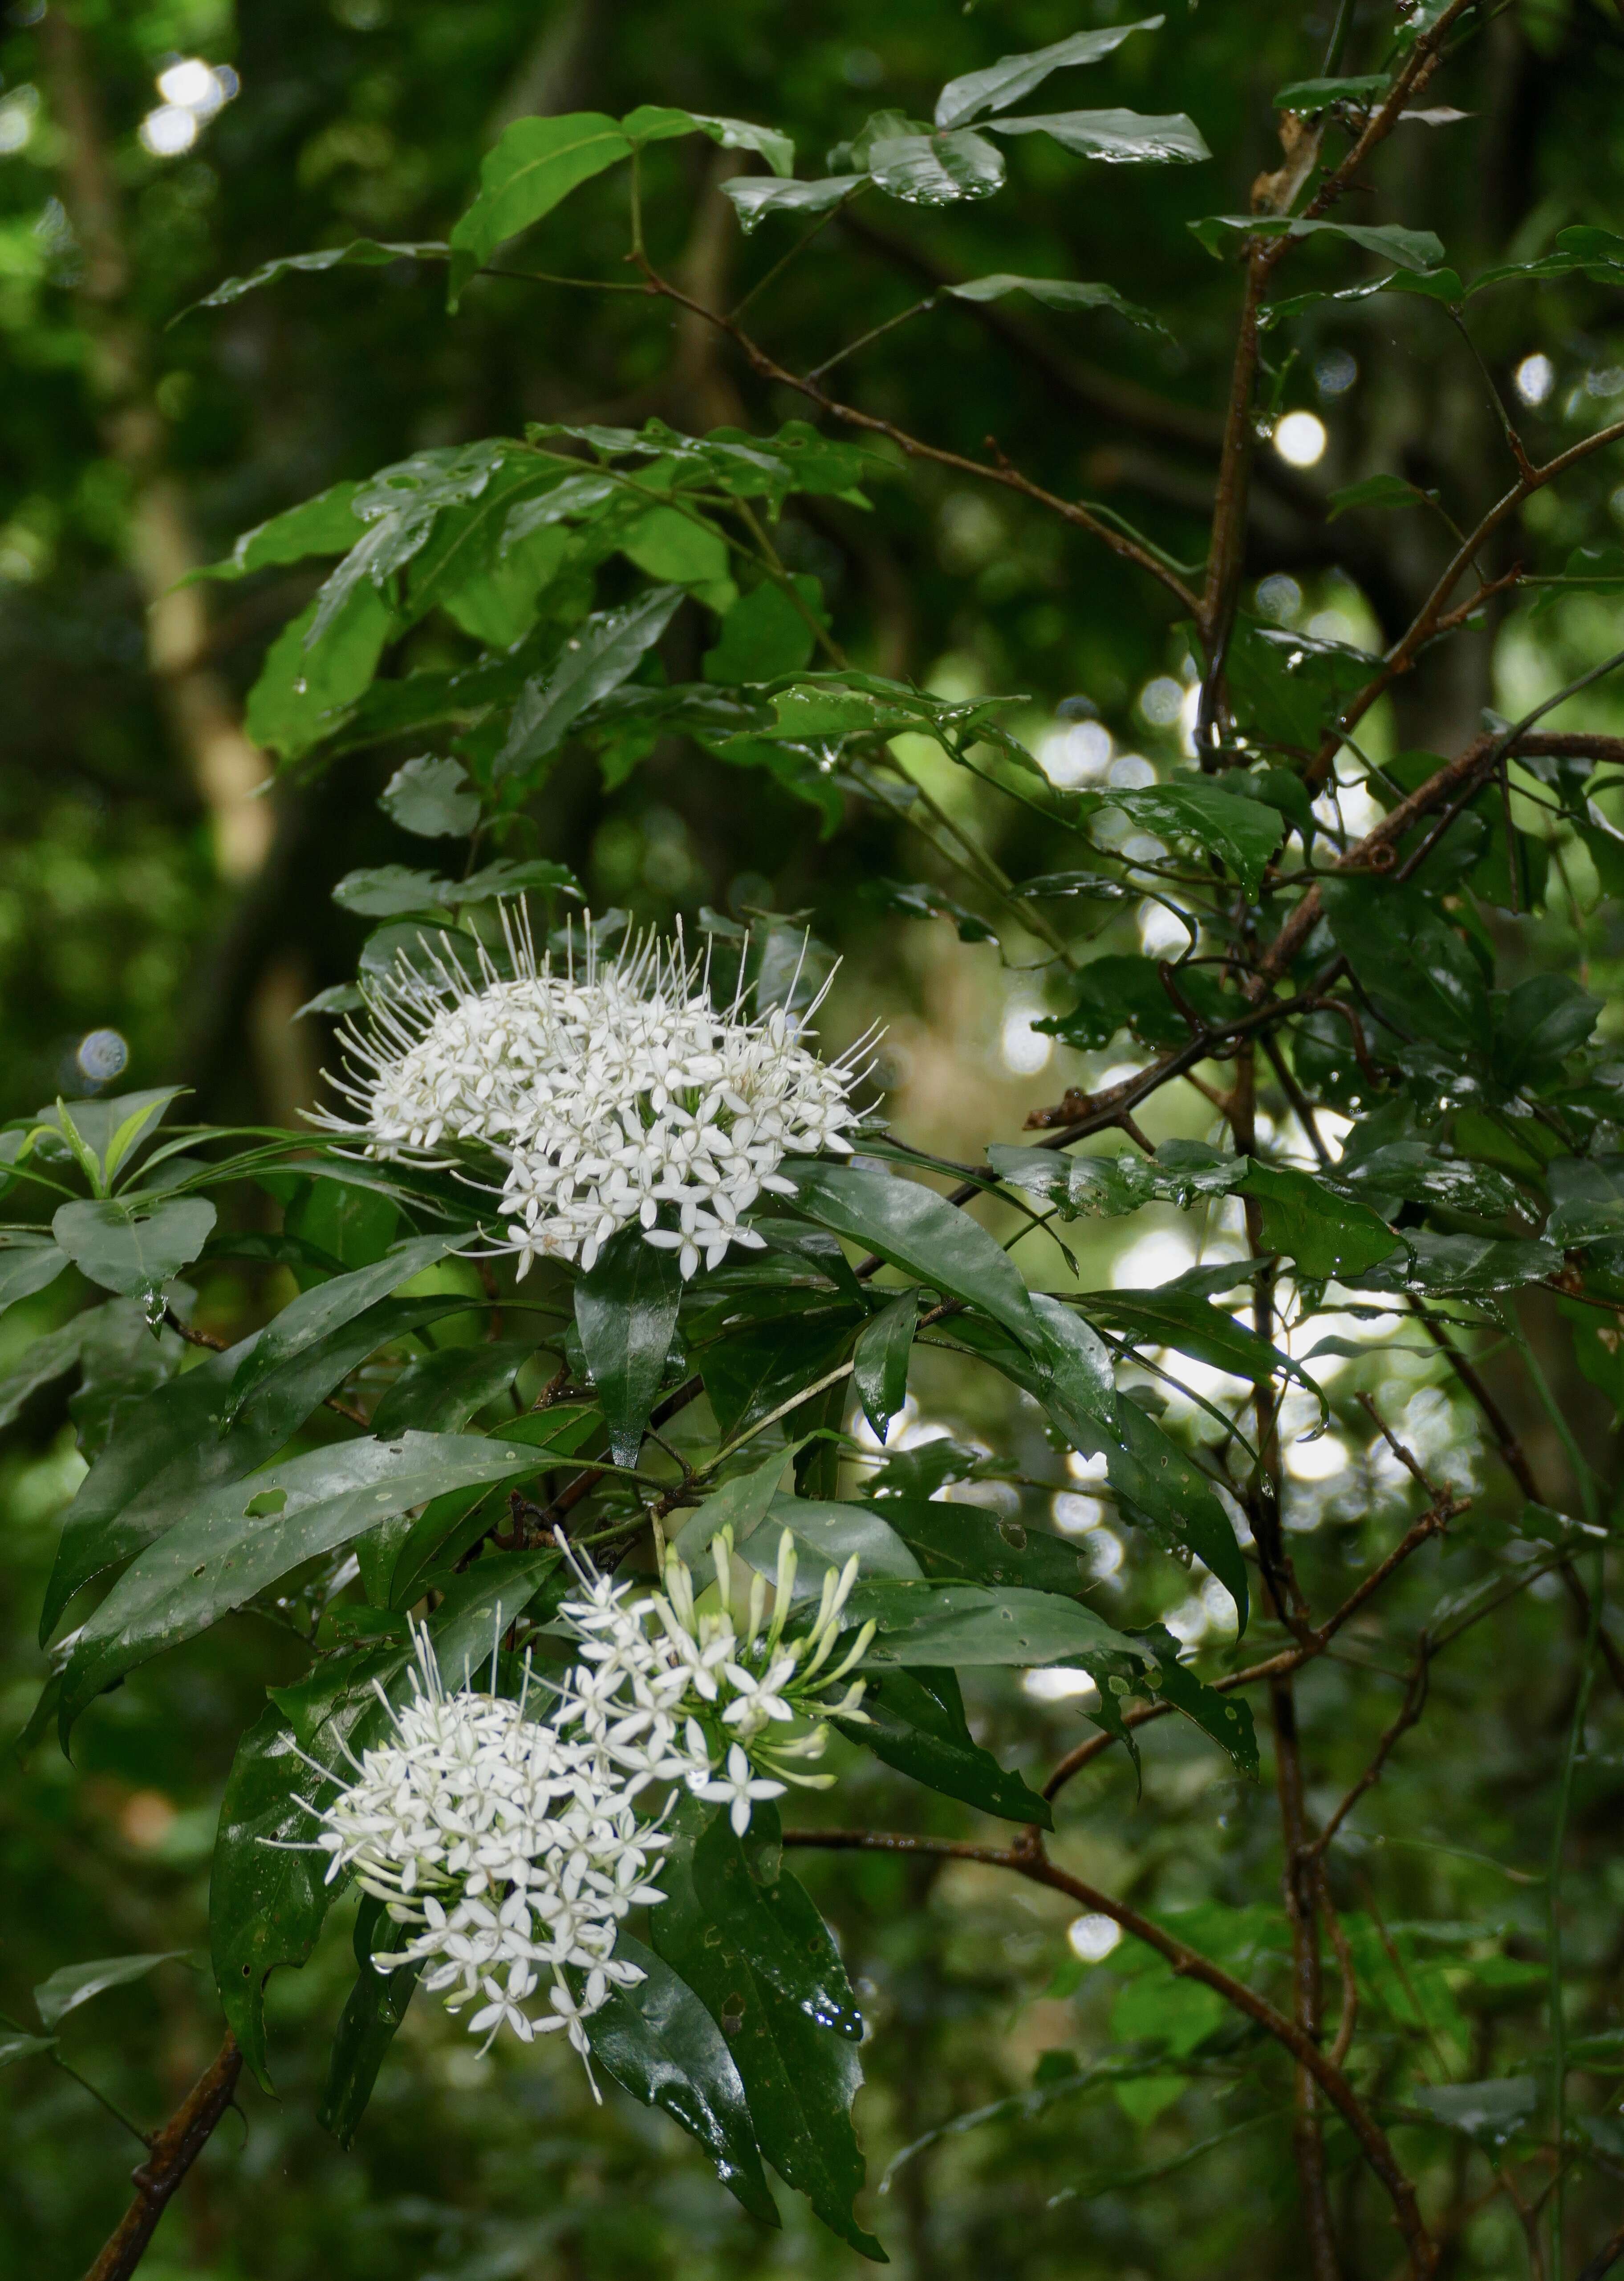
pixel 512 1843
pixel 613 1095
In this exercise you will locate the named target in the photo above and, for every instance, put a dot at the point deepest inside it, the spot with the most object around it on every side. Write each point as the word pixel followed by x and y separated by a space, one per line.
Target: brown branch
pixel 1606 2258
pixel 913 447
pixel 1027 1861
pixel 1422 61
pixel 1414 1703
pixel 1301 1898
pixel 174 2150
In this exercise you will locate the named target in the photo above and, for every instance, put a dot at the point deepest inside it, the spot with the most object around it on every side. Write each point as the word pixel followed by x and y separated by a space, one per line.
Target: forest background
pixel 146 890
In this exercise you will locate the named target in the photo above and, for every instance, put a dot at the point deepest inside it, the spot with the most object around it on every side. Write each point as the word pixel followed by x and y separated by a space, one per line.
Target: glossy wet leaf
pixel 1119 138
pixel 826 1535
pixel 999 85
pixel 916 1723
pixel 1322 1233
pixel 132 1245
pixel 753 199
pixel 372 2015
pixel 28 1263
pixel 238 1539
pixel 1056 293
pixel 50 1357
pixel 936 170
pixel 604 651
pixel 1242 833
pixel 657 123
pixel 954 1624
pixel 659 2043
pixel 626 1314
pixel 316 1314
pixel 880 1359
pixel 361 253
pixel 918 1230
pixel 743 1935
pixel 73 1984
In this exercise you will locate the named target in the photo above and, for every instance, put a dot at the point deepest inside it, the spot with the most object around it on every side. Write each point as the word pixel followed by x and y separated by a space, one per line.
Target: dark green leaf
pixel 1537 1024
pixel 774 1984
pixel 13 2048
pixel 1416 969
pixel 1161 1489
pixel 431 797
pixel 121 1363
pixel 1193 1327
pixel 1289 685
pixel 361 253
pixel 1124 990
pixel 352 1226
pixel 372 2013
pixel 314 1315
pixel 1491 2112
pixel 1307 96
pixel 1105 1188
pixel 827 1535
pixel 917 901
pixel 954 1624
pixel 916 1723
pixel 536 163
pixel 603 652
pixel 76 1984
pixel 919 1231
pixel 392 889
pixel 441 1392
pixel 880 1360
pixel 655 123
pixel 999 85
pixel 659 2043
pixel 1055 293
pixel 740 1504
pixel 965 1543
pixel 237 1540
pixel 1240 832
pixel 626 1314
pixel 1586 1199
pixel 1466 1264
pixel 44 1358
pixel 1377 491
pixel 132 1245
pixel 1227 1719
pixel 1324 1234
pixel 1410 249
pixel 751 1372
pixel 1120 138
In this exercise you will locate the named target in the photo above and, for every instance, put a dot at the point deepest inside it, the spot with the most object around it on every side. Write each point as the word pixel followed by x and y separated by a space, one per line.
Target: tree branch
pixel 174 2150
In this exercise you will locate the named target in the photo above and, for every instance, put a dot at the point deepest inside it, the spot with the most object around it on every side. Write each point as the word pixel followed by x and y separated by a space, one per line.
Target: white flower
pixel 737 1787
pixel 616 1096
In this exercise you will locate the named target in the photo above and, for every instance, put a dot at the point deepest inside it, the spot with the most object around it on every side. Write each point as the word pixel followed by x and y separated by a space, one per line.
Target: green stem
pixel 101 2099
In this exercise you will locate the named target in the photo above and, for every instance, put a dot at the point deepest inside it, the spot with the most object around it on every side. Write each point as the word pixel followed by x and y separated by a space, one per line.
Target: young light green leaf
pixel 322 525
pixel 301 695
pixel 919 1231
pixel 754 199
pixel 76 1984
pixel 626 1314
pixel 243 1536
pixel 133 1244
pixel 880 1360
pixel 536 163
pixel 659 2043
pixel 1117 138
pixel 999 85
pixel 603 652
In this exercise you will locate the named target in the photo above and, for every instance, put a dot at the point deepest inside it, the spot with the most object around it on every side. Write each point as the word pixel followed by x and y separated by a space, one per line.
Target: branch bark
pixel 174 2150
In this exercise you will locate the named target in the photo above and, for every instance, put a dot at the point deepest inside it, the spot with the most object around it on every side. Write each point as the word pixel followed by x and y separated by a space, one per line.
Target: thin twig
pixel 174 2150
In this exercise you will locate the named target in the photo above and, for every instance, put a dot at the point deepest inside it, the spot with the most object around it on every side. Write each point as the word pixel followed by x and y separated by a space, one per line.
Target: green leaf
pixel 659 2043
pixel 880 1360
pixel 1289 685
pixel 76 1984
pixel 121 1362
pixel 1418 972
pixel 1537 1025
pixel 999 85
pixel 267 1895
pixel 1119 138
pixel 1055 293
pixel 740 1504
pixel 952 1624
pixel 301 694
pixel 13 2048
pixel 604 651
pixel 432 798
pixel 1196 1327
pixel 1240 832
pixel 936 170
pixel 441 1392
pixel 536 164
pixel 1161 1489
pixel 963 1544
pixel 1105 1188
pixel 774 1984
pixel 916 899
pixel 174 1446
pixel 652 123
pixel 131 1244
pixel 1306 97
pixel 1586 1199
pixel 109 1128
pixel 1410 249
pixel 765 635
pixel 1377 491
pixel 916 1723
pixel 1225 1718
pixel 1491 2112
pixel 1407 1171
pixel 919 1231
pixel 1324 1234
pixel 361 253
pixel 353 1226
pixel 392 889
pixel 314 1315
pixel 677 548
pixel 1124 990
pixel 753 1372
pixel 827 1535
pixel 237 1540
pixel 367 2027
pixel 754 199
pixel 1464 1265
pixel 42 1359
pixel 28 1263
pixel 626 1314
pixel 323 525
